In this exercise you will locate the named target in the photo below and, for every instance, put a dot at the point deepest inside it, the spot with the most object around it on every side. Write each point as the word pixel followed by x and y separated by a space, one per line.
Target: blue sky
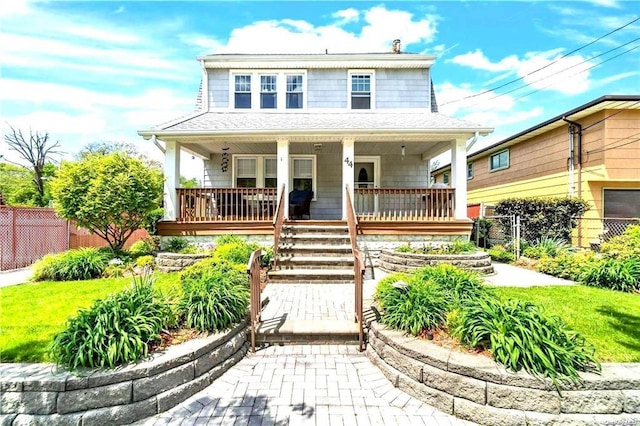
pixel 99 71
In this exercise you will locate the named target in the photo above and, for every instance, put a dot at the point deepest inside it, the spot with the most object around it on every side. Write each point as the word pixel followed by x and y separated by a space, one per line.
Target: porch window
pixel 255 171
pixel 360 90
pixel 246 176
pixel 243 91
pixel 499 160
pixel 270 173
pixel 294 91
pixel 445 178
pixel 303 173
pixel 268 92
pixel 469 170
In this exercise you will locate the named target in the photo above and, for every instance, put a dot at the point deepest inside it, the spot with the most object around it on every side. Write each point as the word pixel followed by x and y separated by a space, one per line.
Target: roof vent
pixel 395 47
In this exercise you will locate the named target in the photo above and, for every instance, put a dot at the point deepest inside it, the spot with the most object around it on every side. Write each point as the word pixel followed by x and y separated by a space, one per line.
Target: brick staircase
pixel 313 253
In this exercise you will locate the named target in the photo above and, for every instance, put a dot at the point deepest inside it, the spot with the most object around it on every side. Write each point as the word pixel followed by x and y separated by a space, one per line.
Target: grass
pixel 31 314
pixel 609 319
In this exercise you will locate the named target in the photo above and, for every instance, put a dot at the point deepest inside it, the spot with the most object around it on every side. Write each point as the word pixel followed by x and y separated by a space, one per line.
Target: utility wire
pixel 543 67
pixel 608 116
pixel 608 146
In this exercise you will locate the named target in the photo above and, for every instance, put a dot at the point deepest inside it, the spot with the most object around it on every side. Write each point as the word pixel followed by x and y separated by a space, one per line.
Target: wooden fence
pixel 28 233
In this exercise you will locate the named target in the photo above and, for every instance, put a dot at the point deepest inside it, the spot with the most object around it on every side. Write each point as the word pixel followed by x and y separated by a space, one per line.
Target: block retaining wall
pixel 38 394
pixel 406 262
pixel 172 262
pixel 475 388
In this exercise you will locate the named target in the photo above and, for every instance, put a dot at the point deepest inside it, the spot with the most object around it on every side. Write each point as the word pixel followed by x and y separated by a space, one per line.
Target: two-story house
pixel 351 131
pixel 591 152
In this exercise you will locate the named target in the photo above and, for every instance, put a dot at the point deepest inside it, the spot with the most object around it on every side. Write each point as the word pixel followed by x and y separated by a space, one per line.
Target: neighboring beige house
pixel 591 152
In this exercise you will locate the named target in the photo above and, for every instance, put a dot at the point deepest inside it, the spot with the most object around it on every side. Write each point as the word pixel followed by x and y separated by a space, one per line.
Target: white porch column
pixel 283 172
pixel 348 160
pixel 171 179
pixel 459 176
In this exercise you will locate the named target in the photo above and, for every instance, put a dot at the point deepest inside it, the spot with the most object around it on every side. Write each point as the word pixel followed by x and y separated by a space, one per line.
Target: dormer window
pixel 295 91
pixel 360 89
pixel 243 91
pixel 268 92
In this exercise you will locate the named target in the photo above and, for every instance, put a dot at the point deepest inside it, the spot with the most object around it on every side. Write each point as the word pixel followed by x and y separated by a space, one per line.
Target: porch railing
pixel 398 204
pixel 358 266
pixel 226 204
pixel 278 221
pixel 255 302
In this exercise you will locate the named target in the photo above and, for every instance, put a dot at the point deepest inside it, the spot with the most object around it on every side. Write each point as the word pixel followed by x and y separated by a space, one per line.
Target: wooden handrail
pixel 358 265
pixel 404 204
pixel 255 302
pixel 225 204
pixel 278 221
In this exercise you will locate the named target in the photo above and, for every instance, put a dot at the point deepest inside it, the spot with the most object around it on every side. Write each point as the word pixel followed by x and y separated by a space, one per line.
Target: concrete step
pixel 316 238
pixel 277 331
pixel 314 262
pixel 312 276
pixel 319 229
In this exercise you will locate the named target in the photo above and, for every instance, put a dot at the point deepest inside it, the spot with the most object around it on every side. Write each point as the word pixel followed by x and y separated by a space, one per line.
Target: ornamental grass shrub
pixel 546 247
pixel 236 273
pixel 213 300
pixel 386 286
pixel 114 331
pixel 235 252
pixel 79 264
pixel 625 246
pixel 615 274
pixel 457 284
pixel 521 336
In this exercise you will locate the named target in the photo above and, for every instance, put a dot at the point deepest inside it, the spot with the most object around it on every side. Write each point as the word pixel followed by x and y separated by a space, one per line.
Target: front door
pixel 366 174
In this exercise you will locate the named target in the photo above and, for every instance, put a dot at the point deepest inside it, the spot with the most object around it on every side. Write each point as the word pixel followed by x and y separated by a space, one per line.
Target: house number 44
pixel 349 162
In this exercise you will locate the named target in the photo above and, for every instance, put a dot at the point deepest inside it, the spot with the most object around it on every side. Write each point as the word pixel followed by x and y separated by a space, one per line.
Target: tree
pixel 188 183
pixel 111 195
pixel 17 188
pixel 105 148
pixel 36 150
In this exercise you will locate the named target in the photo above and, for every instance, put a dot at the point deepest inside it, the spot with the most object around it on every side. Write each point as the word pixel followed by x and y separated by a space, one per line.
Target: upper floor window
pixel 499 160
pixel 268 91
pixel 271 89
pixel 294 91
pixel 469 170
pixel 445 178
pixel 242 91
pixel 360 91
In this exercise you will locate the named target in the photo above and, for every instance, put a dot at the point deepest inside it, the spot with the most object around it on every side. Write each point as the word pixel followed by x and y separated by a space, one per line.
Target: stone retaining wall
pixel 170 262
pixel 406 262
pixel 38 394
pixel 475 388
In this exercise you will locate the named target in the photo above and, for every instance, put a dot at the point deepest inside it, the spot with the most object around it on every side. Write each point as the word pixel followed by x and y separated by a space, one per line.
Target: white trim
pixel 260 175
pixel 314 172
pixel 501 167
pixel 256 86
pixel 375 159
pixel 372 100
pixel 344 61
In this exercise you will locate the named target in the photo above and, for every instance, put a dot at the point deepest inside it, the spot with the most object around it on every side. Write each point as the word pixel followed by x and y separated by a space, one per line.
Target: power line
pixel 608 116
pixel 607 147
pixel 543 67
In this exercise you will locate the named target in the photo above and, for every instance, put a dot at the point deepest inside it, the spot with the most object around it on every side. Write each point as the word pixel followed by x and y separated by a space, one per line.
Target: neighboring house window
pixel 360 90
pixel 499 160
pixel 295 91
pixel 445 178
pixel 303 173
pixel 268 92
pixel 469 170
pixel 255 171
pixel 243 91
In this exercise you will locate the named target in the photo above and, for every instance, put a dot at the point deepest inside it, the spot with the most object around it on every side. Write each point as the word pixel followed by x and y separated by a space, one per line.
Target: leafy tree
pixel 17 188
pixel 188 183
pixel 37 151
pixel 105 148
pixel 111 195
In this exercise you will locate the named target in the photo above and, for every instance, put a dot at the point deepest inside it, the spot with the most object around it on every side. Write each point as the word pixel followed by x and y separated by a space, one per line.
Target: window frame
pixel 470 170
pixel 236 92
pixel 256 89
pixel 260 172
pixel 497 154
pixel 446 178
pixel 301 92
pixel 314 172
pixel 274 85
pixel 372 89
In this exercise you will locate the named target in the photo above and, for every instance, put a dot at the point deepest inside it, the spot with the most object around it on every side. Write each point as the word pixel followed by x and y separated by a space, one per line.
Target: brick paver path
pixel 303 385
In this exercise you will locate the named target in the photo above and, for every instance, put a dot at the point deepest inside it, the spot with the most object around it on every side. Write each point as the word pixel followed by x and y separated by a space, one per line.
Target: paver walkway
pixel 304 385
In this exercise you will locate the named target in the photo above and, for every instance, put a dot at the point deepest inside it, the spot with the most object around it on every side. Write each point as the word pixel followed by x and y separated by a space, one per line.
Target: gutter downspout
pixel 572 132
pixel 156 143
pixel 473 141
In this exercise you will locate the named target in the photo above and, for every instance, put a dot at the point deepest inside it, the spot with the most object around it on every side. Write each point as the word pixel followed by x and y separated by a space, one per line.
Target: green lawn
pixel 31 314
pixel 608 319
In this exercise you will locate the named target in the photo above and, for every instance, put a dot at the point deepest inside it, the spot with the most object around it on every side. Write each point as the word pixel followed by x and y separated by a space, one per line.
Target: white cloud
pixel 14 7
pixel 607 3
pixel 380 27
pixel 538 70
pixel 346 15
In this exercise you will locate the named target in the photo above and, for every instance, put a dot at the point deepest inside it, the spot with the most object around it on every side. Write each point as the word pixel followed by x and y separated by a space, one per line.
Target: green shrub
pixel 566 265
pixel 455 247
pixel 213 301
pixel 229 239
pixel 176 244
pixel 141 248
pixel 114 271
pixel 546 247
pixel 453 323
pixel 625 246
pixel 421 305
pixel 457 284
pixel 385 286
pixel 480 231
pixel 235 252
pixel 405 248
pixel 521 336
pixel 614 274
pixel 114 331
pixel 237 273
pixel 499 253
pixel 145 261
pixel 267 256
pixel 80 264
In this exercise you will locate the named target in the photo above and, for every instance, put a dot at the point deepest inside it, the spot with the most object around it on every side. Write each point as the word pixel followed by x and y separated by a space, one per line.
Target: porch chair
pixel 300 204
